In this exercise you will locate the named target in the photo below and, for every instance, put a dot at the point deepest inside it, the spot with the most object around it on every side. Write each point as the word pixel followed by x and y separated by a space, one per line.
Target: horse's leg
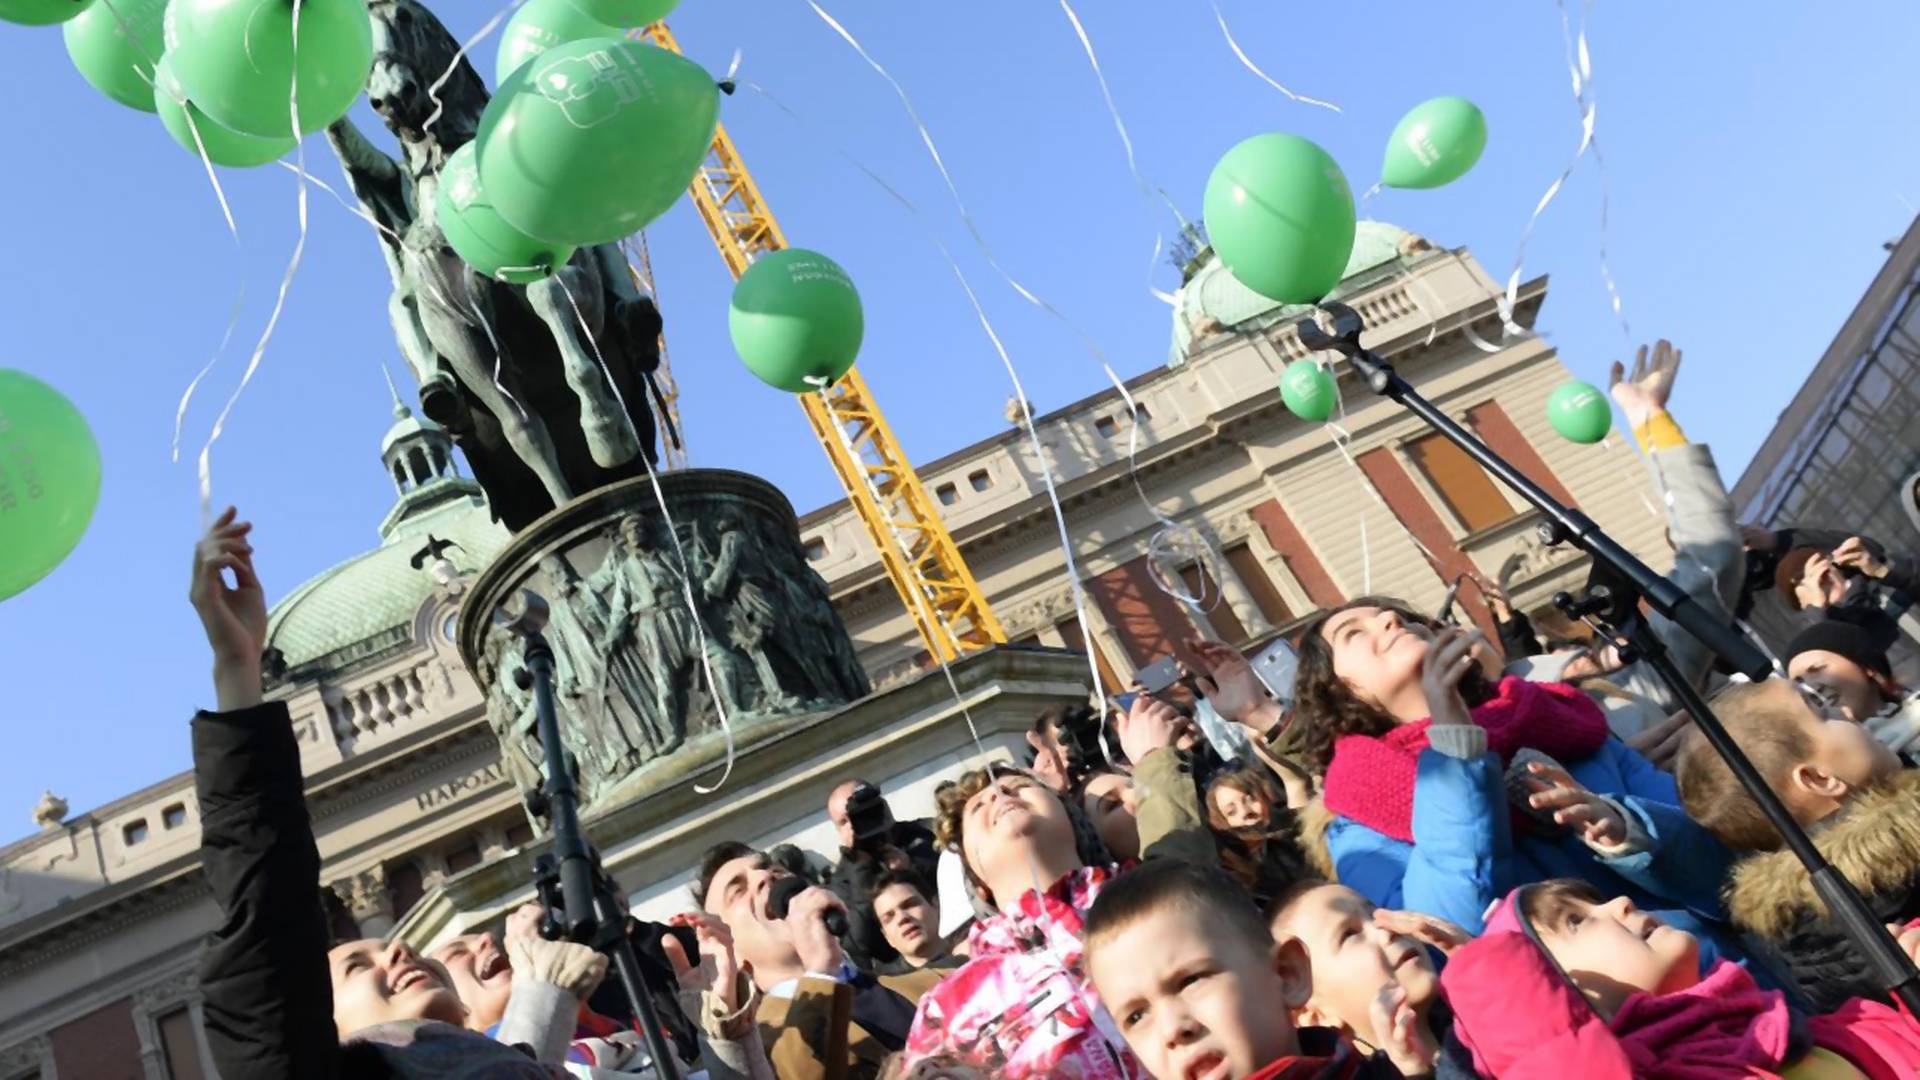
pixel 459 337
pixel 610 434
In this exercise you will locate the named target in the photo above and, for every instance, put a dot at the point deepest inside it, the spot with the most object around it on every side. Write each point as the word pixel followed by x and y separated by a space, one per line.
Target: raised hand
pixel 1855 553
pixel 1425 929
pixel 1227 680
pixel 1150 724
pixel 1573 806
pixel 1397 1031
pixel 820 952
pixel 234 617
pixel 1645 392
pixel 715 971
pixel 524 922
pixel 1448 660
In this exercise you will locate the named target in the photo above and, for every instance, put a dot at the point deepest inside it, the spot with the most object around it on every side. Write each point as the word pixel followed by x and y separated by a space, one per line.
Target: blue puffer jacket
pixel 1466 853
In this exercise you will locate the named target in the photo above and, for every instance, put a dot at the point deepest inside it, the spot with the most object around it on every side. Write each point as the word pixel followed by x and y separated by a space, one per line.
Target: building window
pixel 406 885
pixel 519 834
pixel 948 494
pixel 1140 413
pixel 174 816
pixel 816 549
pixel 980 480
pixel 465 856
pixel 1070 632
pixel 135 832
pixel 1213 604
pixel 1246 566
pixel 180 1045
pixel 1107 426
pixel 1461 483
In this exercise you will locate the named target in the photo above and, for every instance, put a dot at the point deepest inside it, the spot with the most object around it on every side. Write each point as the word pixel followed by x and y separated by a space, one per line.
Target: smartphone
pixel 1158 675
pixel 1275 666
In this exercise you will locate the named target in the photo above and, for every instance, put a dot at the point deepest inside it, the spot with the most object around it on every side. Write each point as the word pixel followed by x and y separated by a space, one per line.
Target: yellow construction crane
pixel 939 592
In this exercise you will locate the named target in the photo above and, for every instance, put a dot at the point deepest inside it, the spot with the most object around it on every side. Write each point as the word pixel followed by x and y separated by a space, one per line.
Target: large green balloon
pixel 49 479
pixel 1280 215
pixel 796 320
pixel 1580 412
pixel 539 26
pixel 628 13
pixel 1436 143
pixel 114 46
pixel 235 58
pixel 593 139
pixel 40 12
pixel 1308 391
pixel 479 234
pixel 224 145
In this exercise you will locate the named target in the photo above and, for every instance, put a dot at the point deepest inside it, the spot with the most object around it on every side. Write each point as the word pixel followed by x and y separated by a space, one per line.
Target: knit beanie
pixel 1842 639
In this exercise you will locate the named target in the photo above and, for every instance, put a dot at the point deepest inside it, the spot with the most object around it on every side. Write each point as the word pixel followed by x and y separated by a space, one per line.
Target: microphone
pixel 780 897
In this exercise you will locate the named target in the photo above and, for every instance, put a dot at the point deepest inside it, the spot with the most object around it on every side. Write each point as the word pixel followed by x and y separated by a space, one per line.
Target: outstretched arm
pixel 376 179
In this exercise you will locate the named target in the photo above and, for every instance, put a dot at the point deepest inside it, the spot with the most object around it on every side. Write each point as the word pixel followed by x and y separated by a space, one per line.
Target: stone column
pixel 367 900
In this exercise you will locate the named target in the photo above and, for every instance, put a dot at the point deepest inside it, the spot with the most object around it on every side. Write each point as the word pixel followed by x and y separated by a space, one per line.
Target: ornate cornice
pixel 107 920
pixel 401 769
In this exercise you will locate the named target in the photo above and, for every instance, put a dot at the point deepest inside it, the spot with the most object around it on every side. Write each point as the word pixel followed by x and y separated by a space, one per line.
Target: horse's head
pixel 412 50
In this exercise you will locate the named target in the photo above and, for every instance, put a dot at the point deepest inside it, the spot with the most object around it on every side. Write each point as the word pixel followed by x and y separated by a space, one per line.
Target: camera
pixel 868 815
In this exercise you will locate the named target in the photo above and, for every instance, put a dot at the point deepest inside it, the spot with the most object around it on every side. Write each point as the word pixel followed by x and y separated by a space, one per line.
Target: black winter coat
pixel 853 879
pixel 1875 842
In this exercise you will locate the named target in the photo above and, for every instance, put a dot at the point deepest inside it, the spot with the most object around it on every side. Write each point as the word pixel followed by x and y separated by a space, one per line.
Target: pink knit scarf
pixel 1371 779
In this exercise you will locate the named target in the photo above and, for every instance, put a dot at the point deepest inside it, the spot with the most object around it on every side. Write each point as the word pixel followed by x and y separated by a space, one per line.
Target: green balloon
pixel 627 13
pixel 49 479
pixel 1434 144
pixel 479 234
pixel 1580 412
pixel 114 46
pixel 796 320
pixel 224 145
pixel 1280 216
pixel 539 26
pixel 235 58
pixel 591 140
pixel 40 12
pixel 1308 391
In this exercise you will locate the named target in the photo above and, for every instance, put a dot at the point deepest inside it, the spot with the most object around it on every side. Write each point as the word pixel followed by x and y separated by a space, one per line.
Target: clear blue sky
pixel 1758 163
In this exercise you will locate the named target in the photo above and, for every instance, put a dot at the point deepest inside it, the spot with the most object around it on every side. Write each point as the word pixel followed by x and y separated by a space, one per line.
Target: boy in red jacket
pixel 1187 968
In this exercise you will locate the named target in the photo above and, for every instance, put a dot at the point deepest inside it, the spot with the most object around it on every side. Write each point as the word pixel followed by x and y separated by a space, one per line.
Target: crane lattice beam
pixel 919 554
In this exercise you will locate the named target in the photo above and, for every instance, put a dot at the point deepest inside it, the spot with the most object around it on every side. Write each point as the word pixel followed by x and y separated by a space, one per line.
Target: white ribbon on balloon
pixel 433 91
pixel 1247 61
pixel 986 252
pixel 280 298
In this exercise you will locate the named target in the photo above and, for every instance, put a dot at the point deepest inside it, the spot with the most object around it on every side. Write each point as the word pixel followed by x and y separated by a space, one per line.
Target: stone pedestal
pixel 642 676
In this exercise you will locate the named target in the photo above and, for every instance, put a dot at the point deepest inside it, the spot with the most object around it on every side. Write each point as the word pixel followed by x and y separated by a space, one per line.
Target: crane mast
pixel 919 554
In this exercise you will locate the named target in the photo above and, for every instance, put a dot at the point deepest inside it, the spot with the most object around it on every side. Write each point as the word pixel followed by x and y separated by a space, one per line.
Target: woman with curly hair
pixel 1446 791
pixel 1257 835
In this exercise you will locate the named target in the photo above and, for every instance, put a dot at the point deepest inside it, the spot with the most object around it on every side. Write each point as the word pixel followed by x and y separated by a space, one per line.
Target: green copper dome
pixel 370 601
pixel 1213 296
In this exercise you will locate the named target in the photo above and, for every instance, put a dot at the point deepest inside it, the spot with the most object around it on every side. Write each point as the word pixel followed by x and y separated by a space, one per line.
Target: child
pixel 1357 952
pixel 1256 833
pixel 1566 984
pixel 1844 786
pixel 1432 811
pixel 1198 987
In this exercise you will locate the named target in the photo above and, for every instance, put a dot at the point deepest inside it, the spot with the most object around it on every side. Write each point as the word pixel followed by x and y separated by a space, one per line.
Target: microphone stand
pixel 574 887
pixel 1619 582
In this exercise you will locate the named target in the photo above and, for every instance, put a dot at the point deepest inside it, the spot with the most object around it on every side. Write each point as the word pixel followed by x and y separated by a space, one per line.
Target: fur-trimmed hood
pixel 1874 841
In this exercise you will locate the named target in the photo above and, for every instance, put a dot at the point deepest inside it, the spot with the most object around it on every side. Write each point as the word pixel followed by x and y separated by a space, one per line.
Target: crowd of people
pixel 1442 851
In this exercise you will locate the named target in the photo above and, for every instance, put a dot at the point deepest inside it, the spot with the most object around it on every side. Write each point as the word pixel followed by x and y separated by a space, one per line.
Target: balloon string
pixel 1255 68
pixel 226 338
pixel 1133 165
pixel 1580 63
pixel 286 282
pixel 433 91
pixel 1586 105
pixel 1076 591
pixel 986 251
pixel 685 567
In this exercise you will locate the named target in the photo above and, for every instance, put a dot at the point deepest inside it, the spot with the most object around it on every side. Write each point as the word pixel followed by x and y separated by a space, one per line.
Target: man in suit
pixel 819 1015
